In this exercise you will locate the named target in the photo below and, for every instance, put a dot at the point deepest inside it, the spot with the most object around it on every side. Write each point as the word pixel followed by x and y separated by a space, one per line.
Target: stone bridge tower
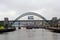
pixel 6 23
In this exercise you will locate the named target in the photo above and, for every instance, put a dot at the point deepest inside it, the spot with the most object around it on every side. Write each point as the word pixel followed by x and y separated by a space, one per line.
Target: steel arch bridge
pixel 30 13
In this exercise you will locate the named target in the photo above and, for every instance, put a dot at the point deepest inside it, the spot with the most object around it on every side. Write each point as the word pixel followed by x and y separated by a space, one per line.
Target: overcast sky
pixel 14 8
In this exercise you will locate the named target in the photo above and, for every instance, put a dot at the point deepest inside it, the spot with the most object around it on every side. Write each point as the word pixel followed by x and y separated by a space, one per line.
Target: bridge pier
pixel 19 25
pixel 6 23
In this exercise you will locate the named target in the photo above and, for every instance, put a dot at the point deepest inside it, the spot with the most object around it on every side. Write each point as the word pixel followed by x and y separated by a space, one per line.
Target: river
pixel 30 34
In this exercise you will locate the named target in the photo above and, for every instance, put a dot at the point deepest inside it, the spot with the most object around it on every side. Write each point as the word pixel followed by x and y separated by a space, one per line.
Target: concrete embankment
pixel 54 29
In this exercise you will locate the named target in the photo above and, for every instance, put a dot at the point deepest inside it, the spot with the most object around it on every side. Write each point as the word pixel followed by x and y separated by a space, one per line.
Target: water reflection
pixel 30 34
pixel 56 36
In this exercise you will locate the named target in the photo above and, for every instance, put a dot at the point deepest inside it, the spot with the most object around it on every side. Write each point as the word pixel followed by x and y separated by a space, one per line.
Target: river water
pixel 30 34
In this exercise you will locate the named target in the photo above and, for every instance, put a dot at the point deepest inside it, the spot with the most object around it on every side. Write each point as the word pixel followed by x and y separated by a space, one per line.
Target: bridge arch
pixel 31 13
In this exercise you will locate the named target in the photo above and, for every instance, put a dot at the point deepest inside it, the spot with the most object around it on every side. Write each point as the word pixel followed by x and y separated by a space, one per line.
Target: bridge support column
pixel 6 23
pixel 19 25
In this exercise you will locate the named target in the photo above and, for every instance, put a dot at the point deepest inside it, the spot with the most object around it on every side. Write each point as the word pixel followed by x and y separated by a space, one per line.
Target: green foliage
pixel 1 27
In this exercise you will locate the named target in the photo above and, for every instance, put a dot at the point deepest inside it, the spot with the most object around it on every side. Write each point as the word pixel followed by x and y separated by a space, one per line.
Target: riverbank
pixel 53 29
pixel 7 30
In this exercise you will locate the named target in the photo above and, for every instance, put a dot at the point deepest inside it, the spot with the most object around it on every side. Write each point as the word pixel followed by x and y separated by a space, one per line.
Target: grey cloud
pixel 52 6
